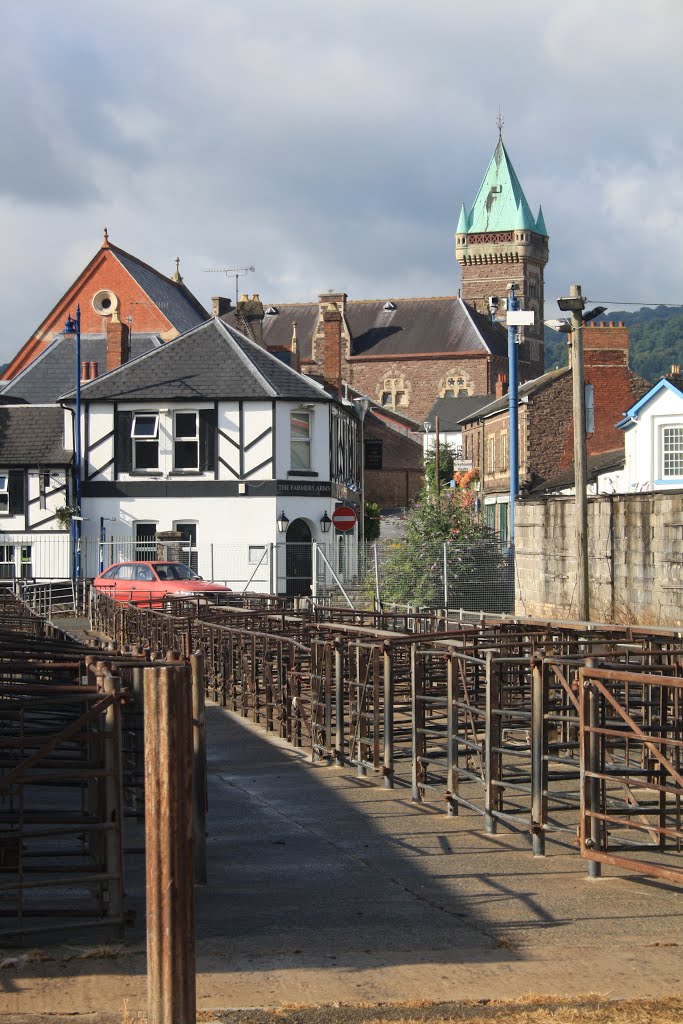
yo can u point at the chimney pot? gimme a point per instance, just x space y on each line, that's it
612 323
93 371
244 297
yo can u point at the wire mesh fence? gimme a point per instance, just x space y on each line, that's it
474 575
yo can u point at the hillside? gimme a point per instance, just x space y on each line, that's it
656 337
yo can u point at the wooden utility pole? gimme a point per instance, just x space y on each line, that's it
171 984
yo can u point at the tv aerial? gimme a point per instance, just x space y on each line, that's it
235 272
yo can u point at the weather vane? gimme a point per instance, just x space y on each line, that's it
500 122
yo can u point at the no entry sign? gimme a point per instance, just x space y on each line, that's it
344 518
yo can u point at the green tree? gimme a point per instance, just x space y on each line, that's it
372 521
412 569
447 455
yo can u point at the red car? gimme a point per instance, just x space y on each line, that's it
148 583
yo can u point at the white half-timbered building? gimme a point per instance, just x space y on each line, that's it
35 481
212 437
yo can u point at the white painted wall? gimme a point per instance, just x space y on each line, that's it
643 469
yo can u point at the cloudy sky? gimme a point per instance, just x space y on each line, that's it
331 143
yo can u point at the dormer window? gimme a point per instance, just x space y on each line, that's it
272 311
145 436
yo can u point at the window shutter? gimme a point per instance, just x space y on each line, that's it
17 497
123 444
208 427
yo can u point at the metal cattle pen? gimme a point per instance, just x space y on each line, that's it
61 859
479 717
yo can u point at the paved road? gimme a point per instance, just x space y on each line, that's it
326 888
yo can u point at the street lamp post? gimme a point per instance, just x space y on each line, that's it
362 405
513 411
73 326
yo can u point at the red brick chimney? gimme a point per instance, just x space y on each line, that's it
605 344
501 385
330 358
331 339
118 347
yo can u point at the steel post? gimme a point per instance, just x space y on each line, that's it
451 752
417 722
492 757
199 772
539 751
388 718
339 700
113 798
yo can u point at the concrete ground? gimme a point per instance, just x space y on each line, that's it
327 888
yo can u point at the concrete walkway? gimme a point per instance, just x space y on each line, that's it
326 888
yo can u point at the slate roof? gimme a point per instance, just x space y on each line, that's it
52 373
525 391
452 410
421 326
175 301
596 465
32 435
213 361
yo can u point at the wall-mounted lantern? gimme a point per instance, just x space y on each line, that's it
282 523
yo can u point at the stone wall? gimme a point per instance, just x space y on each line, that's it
635 558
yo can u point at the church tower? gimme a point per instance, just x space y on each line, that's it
500 241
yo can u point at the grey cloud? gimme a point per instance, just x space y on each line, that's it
332 144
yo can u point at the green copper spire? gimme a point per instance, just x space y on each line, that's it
500 198
525 218
463 221
540 223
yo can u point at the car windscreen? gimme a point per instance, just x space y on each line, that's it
174 571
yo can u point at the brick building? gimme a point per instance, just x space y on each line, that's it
546 431
401 353
119 291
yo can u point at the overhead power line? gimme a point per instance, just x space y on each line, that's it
610 302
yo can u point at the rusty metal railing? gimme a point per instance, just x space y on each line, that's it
631 771
475 716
